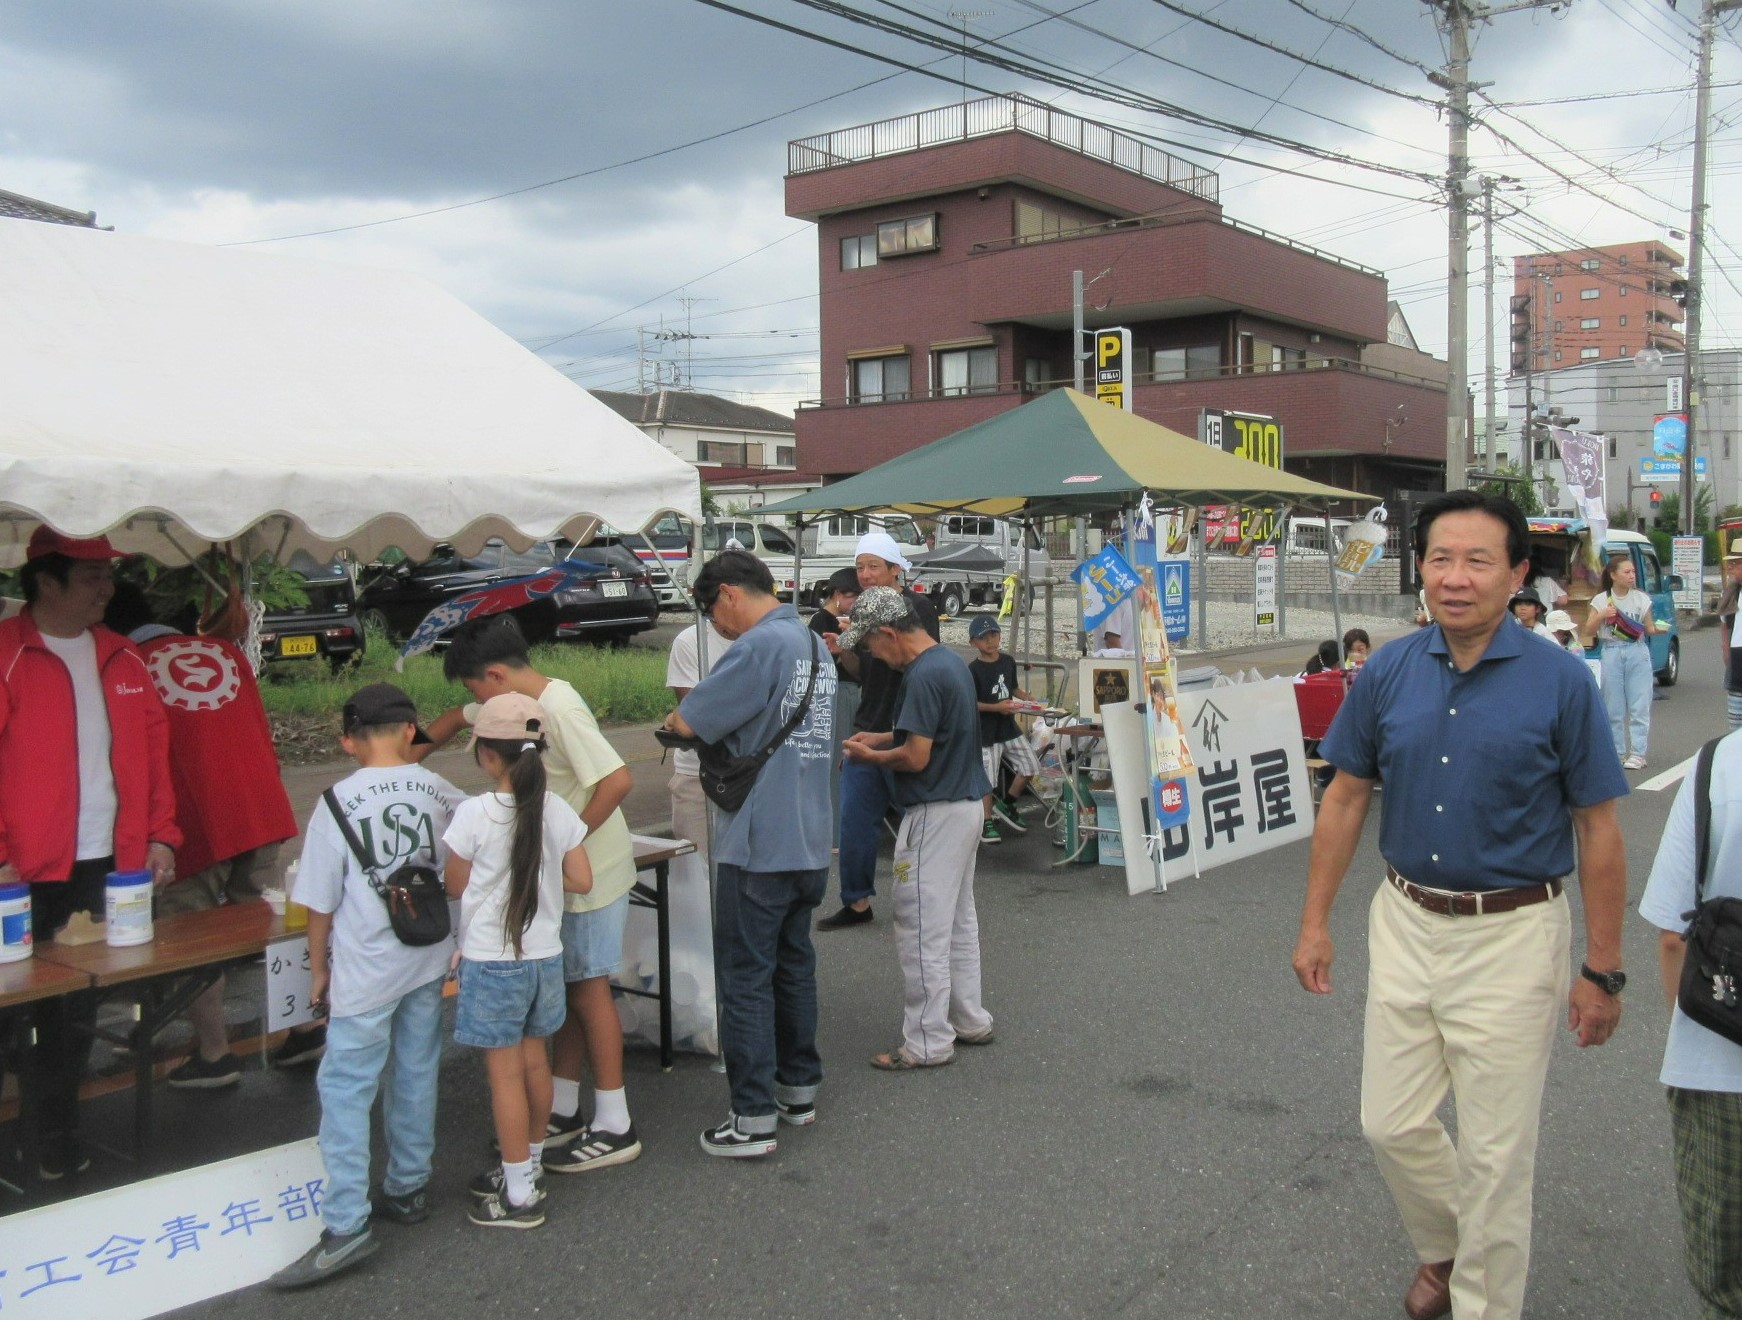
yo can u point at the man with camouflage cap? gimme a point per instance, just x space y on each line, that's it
933 752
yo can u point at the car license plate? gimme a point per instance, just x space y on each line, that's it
297 646
615 589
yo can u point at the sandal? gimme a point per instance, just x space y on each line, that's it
896 1061
973 1040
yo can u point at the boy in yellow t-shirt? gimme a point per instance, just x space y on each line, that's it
489 657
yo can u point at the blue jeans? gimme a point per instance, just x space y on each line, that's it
401 1042
1627 683
866 793
767 973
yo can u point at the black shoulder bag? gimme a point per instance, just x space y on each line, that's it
728 779
1712 964
417 901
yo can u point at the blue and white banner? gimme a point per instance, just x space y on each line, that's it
1103 580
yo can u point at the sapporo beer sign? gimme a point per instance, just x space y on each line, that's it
1251 436
1113 367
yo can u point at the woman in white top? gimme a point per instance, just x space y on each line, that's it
1621 619
512 854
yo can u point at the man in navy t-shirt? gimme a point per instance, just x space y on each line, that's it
933 751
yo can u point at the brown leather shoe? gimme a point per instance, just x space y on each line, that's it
1430 1294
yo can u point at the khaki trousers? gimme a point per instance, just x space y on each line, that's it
689 812
1470 1005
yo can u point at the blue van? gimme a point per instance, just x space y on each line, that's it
1562 549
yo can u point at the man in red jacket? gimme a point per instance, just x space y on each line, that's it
84 788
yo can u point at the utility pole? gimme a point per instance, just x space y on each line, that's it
1696 250
1457 16
1077 331
1488 420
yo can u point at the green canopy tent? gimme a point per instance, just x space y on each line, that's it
1066 455
1062 455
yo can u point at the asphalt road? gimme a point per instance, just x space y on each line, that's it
1166 1127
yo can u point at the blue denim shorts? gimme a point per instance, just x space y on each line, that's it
504 1003
593 941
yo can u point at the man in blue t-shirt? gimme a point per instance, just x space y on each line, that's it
772 853
933 751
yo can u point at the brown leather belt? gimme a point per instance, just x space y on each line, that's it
1473 903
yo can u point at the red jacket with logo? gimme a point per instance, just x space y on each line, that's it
39 754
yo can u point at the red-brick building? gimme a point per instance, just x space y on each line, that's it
1597 304
947 242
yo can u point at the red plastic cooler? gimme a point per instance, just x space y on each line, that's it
1320 697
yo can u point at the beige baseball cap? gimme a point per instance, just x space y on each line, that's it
510 717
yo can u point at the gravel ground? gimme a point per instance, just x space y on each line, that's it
1230 626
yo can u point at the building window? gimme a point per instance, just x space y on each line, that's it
1036 224
1195 362
879 379
1587 295
1557 327
1557 355
898 238
1622 291
1726 445
785 455
1589 263
1590 322
1625 351
966 370
724 452
1624 322
1588 354
858 251
1611 446
1291 359
1037 375
1557 295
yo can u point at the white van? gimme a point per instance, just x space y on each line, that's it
838 536
1306 537
999 535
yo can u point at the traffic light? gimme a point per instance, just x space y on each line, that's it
1656 498
1520 333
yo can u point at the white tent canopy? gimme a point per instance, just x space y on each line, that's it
176 396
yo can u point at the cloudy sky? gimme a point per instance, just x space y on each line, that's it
641 143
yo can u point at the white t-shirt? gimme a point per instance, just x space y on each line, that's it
1548 591
398 813
483 834
683 670
96 780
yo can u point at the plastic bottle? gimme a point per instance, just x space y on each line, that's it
295 914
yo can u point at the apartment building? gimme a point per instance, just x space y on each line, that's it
1595 304
946 245
707 430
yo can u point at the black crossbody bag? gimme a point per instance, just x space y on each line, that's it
728 779
1712 964
417 901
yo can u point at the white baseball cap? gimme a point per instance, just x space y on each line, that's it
882 544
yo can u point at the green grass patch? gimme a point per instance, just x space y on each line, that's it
623 685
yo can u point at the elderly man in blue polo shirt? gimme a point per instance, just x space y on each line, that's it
1495 755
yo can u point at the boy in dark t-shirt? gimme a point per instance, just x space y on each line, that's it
1001 741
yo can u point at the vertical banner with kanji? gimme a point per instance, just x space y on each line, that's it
1582 474
1104 579
154 1246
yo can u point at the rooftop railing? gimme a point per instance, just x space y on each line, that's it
999 114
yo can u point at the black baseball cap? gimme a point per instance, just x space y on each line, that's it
378 704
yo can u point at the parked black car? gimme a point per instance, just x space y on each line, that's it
615 600
327 626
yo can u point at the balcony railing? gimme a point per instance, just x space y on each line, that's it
999 114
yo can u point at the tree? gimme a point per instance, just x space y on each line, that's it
1519 491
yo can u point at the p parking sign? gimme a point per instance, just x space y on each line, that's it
1113 367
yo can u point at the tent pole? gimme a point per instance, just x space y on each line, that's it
1281 576
1336 604
797 563
1082 554
1203 638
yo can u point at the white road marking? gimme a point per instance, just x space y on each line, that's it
1668 779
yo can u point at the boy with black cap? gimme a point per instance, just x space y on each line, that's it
383 998
996 693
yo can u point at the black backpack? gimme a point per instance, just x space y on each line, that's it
1711 988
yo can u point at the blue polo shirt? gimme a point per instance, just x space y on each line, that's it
1480 769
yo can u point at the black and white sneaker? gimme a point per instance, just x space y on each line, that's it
1009 818
491 1182
301 1047
594 1150
333 1254
199 1074
410 1208
562 1129
730 1140
797 1115
62 1156
496 1211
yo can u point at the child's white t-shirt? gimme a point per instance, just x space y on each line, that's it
483 834
399 814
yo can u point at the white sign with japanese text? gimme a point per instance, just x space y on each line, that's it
168 1242
1264 590
1687 560
1250 791
287 984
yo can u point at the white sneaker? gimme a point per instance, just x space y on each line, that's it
1633 763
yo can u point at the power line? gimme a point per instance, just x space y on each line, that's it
1343 25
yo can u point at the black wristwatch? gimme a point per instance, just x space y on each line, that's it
1612 983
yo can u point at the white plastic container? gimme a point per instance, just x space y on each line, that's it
15 940
128 908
